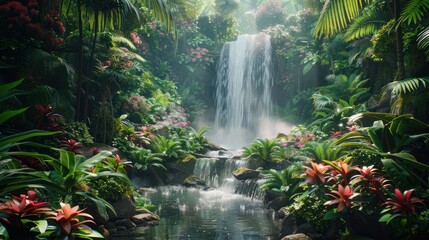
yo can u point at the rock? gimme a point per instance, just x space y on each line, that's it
104 231
146 218
125 223
288 225
276 203
245 173
124 208
271 195
110 227
213 147
298 236
194 181
282 213
121 228
142 191
236 157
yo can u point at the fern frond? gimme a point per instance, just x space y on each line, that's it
336 15
414 11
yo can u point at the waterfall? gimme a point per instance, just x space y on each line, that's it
217 173
243 91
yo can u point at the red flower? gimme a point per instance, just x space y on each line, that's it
66 217
72 145
95 151
118 158
343 197
59 28
403 202
25 206
316 174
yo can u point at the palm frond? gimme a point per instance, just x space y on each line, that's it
414 11
322 101
123 40
336 15
53 69
423 41
405 86
365 24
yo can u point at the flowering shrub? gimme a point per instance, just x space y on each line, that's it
198 57
269 13
23 17
136 104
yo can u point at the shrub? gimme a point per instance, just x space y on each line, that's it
269 13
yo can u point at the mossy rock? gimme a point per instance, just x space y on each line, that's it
194 181
245 173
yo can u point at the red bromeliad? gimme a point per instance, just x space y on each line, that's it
25 206
343 197
316 173
66 217
403 203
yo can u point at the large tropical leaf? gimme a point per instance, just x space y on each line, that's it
336 15
414 11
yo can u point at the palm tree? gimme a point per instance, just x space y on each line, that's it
337 15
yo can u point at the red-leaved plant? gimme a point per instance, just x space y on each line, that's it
25 206
316 173
67 219
343 197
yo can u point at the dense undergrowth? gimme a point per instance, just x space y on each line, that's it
76 76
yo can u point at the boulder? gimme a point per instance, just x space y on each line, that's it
194 181
298 236
124 208
127 223
146 218
245 173
288 225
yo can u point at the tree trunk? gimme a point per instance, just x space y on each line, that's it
80 62
399 43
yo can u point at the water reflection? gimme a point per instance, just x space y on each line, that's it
188 213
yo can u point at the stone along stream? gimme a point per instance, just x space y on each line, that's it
228 209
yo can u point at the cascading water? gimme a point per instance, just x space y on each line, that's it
243 91
217 173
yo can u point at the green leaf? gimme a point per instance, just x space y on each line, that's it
385 218
4 116
4 235
331 214
414 11
25 135
5 88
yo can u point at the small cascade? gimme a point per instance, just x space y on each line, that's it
217 173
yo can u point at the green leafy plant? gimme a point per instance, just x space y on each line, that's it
168 147
263 150
71 171
287 181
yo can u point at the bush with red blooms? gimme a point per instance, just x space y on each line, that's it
26 19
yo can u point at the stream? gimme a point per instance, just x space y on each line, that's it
228 209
